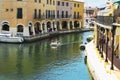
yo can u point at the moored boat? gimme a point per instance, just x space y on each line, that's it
8 38
54 43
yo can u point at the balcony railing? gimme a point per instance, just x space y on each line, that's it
77 17
50 17
58 17
41 17
63 16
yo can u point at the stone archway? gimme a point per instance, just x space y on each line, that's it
49 28
20 30
71 25
76 24
5 26
30 29
64 25
43 27
37 28
58 25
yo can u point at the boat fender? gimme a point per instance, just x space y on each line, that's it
21 40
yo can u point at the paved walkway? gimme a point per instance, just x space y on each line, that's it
99 69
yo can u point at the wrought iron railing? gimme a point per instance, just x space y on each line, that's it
77 17
63 16
40 17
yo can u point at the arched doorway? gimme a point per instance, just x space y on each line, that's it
30 29
76 24
5 27
54 28
64 25
58 25
19 30
43 27
37 28
49 29
71 25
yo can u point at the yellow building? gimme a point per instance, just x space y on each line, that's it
78 14
32 17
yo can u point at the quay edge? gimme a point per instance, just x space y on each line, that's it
96 65
33 38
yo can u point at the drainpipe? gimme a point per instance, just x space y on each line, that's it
113 34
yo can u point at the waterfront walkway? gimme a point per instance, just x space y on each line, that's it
98 68
55 33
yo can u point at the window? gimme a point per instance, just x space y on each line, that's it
74 5
7 10
50 1
39 13
11 10
78 5
78 14
35 0
47 2
67 4
19 13
35 14
39 1
53 2
19 0
74 14
46 13
62 14
66 14
57 14
62 3
58 3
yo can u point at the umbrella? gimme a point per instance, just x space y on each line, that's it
117 2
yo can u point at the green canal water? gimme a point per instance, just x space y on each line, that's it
40 61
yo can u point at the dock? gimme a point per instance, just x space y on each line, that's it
99 69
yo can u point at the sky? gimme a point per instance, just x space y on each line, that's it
94 3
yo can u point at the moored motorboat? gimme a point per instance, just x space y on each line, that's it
8 38
55 43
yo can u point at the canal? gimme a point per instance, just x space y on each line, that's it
40 61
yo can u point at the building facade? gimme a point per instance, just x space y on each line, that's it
32 17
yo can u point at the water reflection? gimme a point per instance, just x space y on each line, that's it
40 61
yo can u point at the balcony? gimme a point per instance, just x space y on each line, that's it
63 16
42 17
77 17
50 16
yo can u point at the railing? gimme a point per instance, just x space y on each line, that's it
77 17
63 16
50 17
116 60
41 17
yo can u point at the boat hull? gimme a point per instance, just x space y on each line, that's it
11 39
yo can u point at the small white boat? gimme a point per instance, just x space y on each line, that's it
54 43
7 38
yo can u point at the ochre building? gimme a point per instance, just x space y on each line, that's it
32 17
